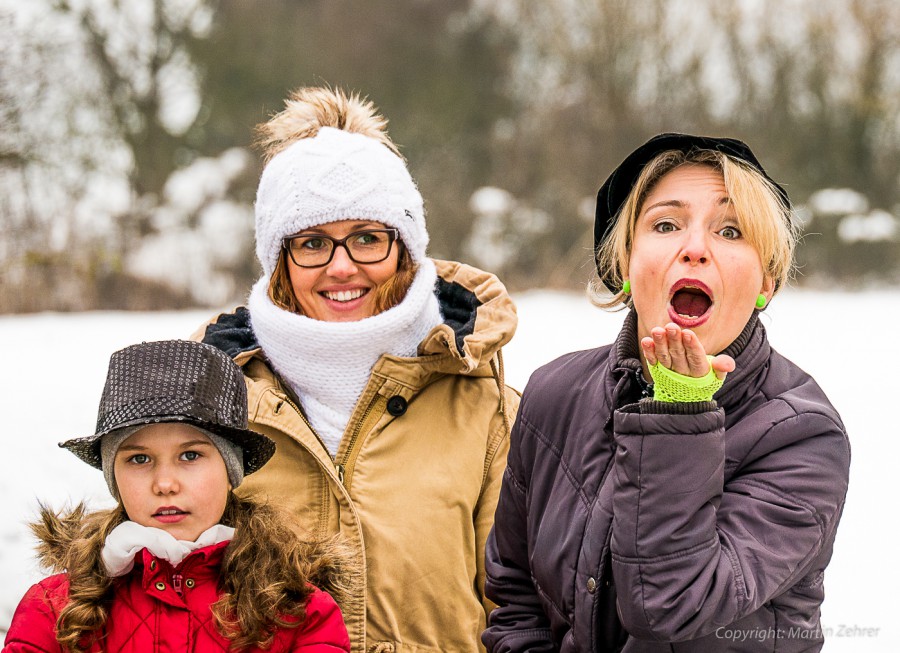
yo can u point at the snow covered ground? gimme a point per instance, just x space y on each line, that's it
56 365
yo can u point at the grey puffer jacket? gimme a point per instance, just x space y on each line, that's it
623 527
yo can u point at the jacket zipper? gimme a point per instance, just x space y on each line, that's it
176 583
342 466
646 388
339 467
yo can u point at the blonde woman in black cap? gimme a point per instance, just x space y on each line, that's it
377 371
181 563
681 488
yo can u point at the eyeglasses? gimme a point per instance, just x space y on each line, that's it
317 250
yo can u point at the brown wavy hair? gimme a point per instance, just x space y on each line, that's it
265 577
388 295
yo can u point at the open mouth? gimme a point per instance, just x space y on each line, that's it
344 295
170 515
690 302
168 512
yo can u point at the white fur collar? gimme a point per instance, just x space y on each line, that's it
328 363
128 538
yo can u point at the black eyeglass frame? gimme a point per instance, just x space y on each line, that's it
392 233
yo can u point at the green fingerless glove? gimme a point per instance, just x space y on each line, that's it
672 387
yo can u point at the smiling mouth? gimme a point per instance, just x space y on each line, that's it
690 302
344 295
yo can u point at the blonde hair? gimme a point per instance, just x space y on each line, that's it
763 217
265 576
310 108
388 295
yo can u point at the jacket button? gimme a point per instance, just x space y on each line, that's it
189 582
160 586
591 585
396 405
153 565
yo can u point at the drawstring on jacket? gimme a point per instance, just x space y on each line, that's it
497 372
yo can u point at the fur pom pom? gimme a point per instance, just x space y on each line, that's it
309 109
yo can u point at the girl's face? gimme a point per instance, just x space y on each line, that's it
341 290
171 476
690 264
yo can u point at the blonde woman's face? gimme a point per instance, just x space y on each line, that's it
342 290
171 476
690 263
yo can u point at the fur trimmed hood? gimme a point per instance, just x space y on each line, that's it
76 537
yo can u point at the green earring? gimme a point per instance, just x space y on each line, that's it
626 287
760 301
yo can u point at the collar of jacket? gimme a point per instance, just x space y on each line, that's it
750 351
201 564
479 319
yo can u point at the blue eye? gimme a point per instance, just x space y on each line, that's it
190 455
139 459
664 227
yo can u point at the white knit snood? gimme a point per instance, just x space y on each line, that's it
327 364
128 538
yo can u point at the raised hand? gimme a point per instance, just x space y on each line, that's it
681 351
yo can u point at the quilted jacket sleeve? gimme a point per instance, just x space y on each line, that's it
33 627
691 552
518 623
323 631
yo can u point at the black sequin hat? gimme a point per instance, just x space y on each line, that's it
175 381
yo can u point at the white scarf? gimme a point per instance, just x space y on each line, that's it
128 538
327 364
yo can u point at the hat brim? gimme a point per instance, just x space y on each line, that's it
257 448
615 190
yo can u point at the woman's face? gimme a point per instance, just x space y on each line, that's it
341 291
690 264
171 476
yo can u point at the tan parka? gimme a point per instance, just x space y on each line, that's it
415 481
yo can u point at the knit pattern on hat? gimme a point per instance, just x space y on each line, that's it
327 364
336 175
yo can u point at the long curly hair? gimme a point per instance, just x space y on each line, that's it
265 580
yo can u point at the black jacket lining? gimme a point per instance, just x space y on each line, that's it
459 307
232 333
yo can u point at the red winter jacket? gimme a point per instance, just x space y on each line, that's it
158 608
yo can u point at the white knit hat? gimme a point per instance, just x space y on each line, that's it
336 175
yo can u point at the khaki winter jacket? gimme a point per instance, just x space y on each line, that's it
415 482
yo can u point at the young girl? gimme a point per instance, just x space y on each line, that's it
181 564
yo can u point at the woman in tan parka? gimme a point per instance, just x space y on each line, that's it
377 372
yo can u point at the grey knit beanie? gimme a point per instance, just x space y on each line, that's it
231 453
